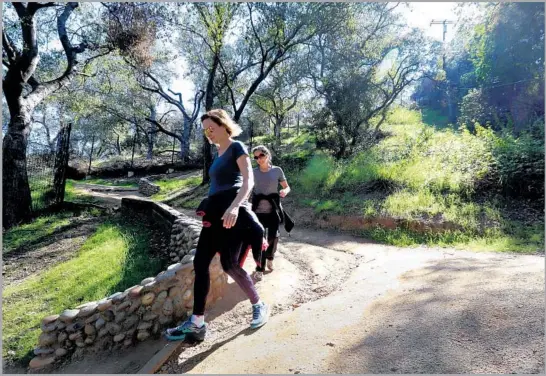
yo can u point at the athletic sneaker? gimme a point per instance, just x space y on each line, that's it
258 275
188 330
269 264
260 315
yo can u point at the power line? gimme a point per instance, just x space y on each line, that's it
445 23
500 85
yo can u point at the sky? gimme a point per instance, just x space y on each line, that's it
417 14
421 14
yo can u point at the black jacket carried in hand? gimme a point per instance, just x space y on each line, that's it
275 201
212 208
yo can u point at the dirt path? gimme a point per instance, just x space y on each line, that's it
342 305
108 195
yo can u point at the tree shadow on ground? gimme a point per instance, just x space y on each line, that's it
455 318
232 296
193 361
75 228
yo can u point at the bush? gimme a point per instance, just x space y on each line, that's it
403 116
474 109
319 175
293 162
518 162
416 156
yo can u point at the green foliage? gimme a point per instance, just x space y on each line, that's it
518 162
414 157
320 174
474 109
170 186
403 116
73 194
360 84
111 183
25 234
494 69
419 173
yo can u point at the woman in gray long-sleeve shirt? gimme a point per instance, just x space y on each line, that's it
266 181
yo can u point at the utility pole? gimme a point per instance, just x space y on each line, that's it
449 101
445 23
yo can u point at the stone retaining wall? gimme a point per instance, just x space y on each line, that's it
140 312
147 188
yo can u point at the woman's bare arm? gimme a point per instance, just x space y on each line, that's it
286 188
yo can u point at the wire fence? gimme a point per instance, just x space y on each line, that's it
40 165
46 171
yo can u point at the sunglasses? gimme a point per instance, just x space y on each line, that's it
259 156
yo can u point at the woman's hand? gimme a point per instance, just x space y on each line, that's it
285 189
230 216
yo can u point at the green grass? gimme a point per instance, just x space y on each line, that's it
515 238
435 118
71 193
170 186
419 172
41 189
29 233
401 115
485 226
193 199
113 259
404 116
111 183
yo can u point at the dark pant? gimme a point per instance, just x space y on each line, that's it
229 243
270 221
214 207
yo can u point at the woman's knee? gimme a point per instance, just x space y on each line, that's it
200 264
227 265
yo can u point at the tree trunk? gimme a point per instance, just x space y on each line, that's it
150 138
251 134
298 125
61 162
209 99
118 146
185 141
181 152
277 129
133 152
91 155
137 136
17 203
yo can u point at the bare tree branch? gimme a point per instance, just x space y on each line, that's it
165 114
255 32
162 129
40 91
11 51
197 104
33 7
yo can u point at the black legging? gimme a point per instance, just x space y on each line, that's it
228 243
270 221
